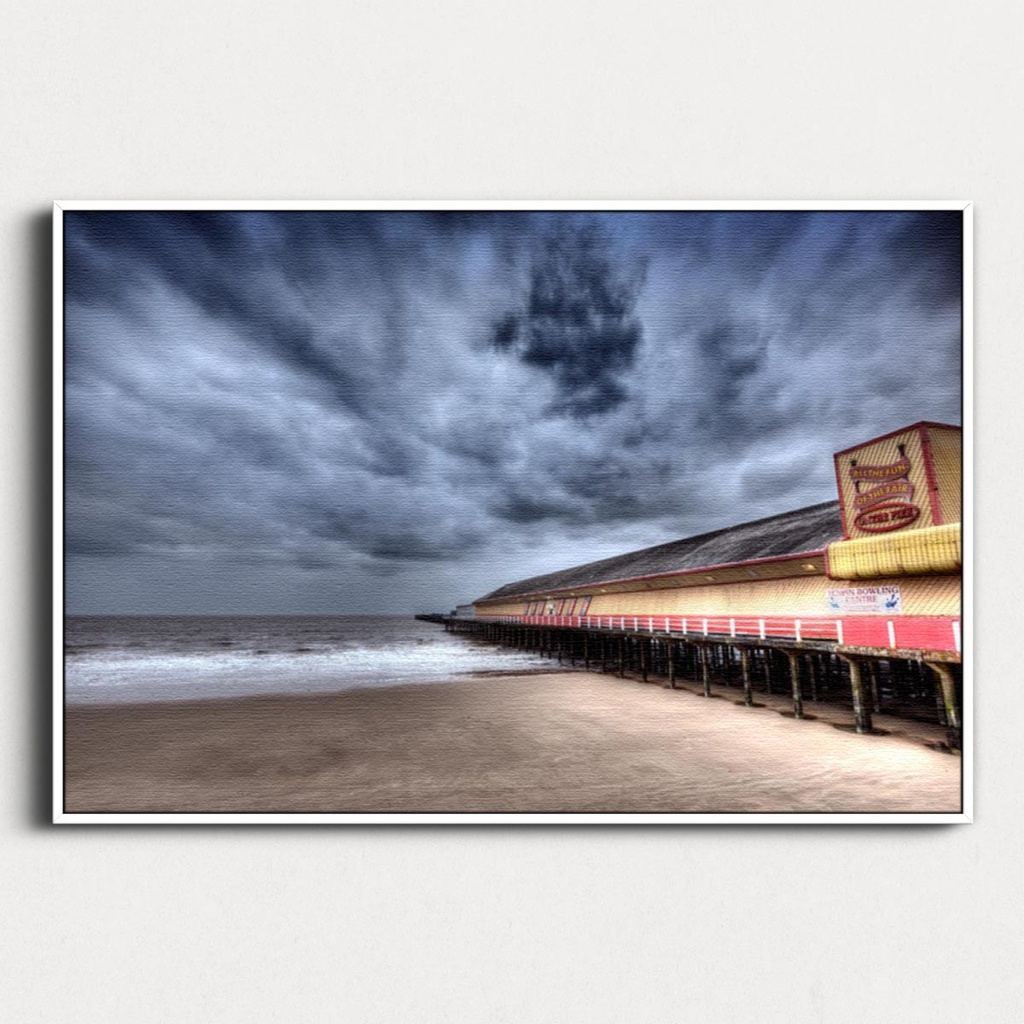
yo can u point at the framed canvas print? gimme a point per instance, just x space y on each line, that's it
512 512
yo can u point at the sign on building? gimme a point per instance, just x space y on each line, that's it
910 478
884 600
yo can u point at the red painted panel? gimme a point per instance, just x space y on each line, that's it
819 629
865 631
928 634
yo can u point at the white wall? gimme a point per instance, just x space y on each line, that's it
456 99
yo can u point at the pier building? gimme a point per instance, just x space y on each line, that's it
856 599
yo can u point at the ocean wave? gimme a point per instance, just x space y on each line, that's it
187 667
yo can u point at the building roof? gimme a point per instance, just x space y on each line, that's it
802 531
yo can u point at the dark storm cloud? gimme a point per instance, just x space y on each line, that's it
219 260
374 412
928 247
577 320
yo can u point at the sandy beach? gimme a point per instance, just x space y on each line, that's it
551 742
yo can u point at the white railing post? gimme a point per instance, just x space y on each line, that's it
760 626
705 627
732 627
839 631
892 634
796 630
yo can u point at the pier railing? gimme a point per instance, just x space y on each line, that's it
931 633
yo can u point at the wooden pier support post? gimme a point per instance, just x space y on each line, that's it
940 705
767 654
947 686
828 670
748 697
670 654
861 707
705 671
794 672
872 670
812 674
622 657
645 658
586 652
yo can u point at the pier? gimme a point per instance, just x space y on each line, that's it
854 603
924 686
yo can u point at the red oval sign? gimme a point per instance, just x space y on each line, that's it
892 516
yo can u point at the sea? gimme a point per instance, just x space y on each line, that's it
142 659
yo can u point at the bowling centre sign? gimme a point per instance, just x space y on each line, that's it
884 600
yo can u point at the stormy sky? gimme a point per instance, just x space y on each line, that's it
357 412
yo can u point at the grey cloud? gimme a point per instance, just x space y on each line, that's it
358 412
782 476
734 353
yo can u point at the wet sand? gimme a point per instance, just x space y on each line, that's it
556 742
